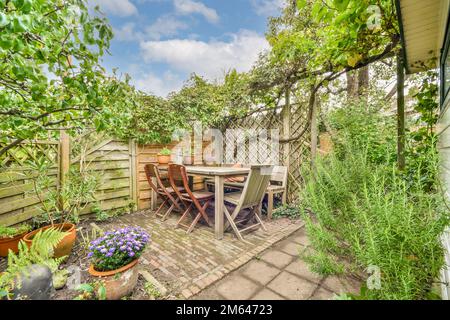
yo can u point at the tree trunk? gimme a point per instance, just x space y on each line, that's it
352 85
363 83
400 112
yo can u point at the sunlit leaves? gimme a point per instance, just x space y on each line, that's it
50 73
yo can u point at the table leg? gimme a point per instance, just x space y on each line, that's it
154 197
218 224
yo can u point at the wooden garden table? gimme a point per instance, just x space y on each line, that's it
218 174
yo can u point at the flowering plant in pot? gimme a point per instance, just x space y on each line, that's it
63 205
10 237
114 257
164 156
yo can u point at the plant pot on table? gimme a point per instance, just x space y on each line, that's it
163 159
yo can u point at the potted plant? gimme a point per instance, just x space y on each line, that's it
10 237
30 271
114 257
62 206
164 156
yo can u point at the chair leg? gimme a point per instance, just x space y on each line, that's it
166 215
257 215
160 207
284 197
233 225
191 227
269 205
184 215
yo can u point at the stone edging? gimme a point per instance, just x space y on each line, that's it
201 284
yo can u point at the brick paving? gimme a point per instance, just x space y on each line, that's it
185 264
279 273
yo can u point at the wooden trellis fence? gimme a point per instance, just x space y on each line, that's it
289 120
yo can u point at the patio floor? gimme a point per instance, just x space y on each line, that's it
185 264
279 274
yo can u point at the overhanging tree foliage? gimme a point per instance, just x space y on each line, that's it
50 72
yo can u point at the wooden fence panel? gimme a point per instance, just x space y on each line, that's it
110 161
18 199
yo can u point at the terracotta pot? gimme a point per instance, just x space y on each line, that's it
10 243
120 282
163 159
64 248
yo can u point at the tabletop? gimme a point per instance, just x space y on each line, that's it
216 171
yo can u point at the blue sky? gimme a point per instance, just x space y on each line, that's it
161 42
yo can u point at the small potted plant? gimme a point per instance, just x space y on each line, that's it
164 156
10 237
114 257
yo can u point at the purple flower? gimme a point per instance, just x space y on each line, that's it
130 254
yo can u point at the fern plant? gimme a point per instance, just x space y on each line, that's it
40 252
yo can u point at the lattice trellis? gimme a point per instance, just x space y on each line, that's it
19 155
246 129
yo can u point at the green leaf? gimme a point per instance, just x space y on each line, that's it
301 4
3 20
341 5
85 287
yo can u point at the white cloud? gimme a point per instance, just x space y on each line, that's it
187 7
164 26
121 8
126 32
160 86
211 59
268 7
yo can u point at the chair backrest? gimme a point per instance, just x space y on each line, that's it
255 186
177 174
279 175
150 174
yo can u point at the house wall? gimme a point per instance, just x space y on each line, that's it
444 150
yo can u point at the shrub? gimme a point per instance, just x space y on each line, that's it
117 248
359 213
289 211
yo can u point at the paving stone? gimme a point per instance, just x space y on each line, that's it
260 272
322 294
290 247
277 258
300 268
292 287
301 237
266 294
341 285
237 288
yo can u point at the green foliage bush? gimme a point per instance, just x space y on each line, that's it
360 211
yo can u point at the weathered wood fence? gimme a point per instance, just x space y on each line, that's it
120 164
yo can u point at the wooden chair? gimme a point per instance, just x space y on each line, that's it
167 194
278 185
198 200
249 198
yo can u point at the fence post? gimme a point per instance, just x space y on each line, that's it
314 132
286 117
133 172
64 162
